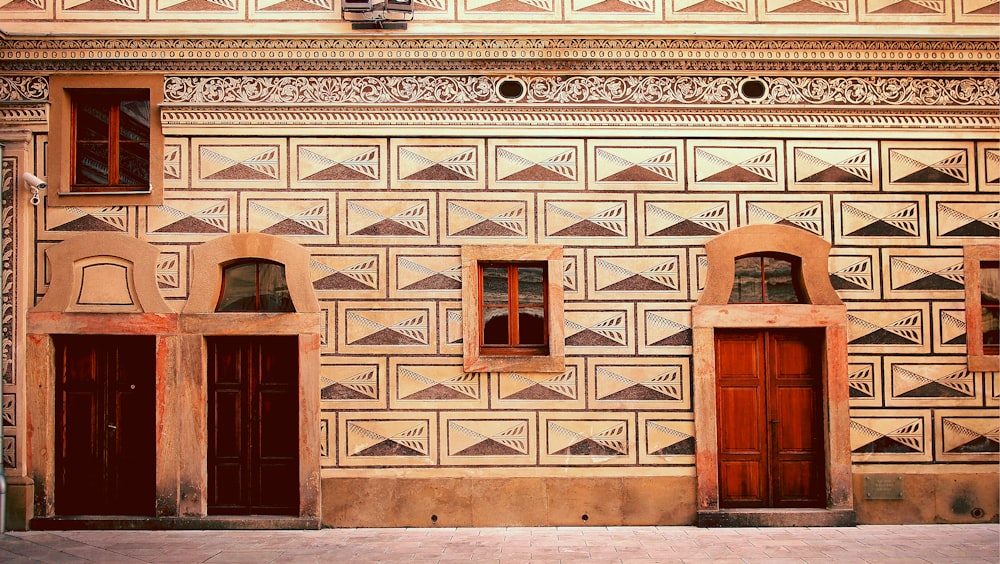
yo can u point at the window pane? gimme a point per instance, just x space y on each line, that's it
989 288
274 295
92 121
91 164
531 325
747 281
495 288
779 284
239 287
133 164
530 285
496 330
133 120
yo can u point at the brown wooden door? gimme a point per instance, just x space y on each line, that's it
106 425
770 413
253 458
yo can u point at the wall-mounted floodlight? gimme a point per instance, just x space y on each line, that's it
368 14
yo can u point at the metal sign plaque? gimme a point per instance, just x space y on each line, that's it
884 486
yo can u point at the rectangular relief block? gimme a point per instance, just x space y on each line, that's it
357 382
879 220
736 165
484 438
928 166
536 164
224 162
666 438
599 328
435 382
468 218
902 327
923 273
636 164
303 219
684 219
172 278
60 223
425 273
864 381
855 273
808 213
637 273
664 329
525 390
883 435
902 12
339 163
918 381
387 327
989 163
586 220
970 219
573 277
352 273
373 218
949 327
587 439
388 439
190 215
450 314
653 383
964 435
176 162
438 164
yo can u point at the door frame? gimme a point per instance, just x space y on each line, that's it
825 311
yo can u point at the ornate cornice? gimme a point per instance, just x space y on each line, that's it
24 114
414 53
645 90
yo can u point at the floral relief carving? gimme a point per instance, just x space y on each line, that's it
891 91
24 88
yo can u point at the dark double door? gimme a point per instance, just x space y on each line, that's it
253 441
770 418
105 430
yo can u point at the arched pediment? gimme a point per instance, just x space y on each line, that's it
103 273
813 252
208 260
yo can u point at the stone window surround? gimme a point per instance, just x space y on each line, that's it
181 384
824 310
974 256
473 360
61 137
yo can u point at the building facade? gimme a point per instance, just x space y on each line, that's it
738 266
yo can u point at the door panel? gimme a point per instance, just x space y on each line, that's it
769 400
253 425
105 429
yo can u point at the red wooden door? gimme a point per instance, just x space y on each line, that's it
253 459
105 430
770 413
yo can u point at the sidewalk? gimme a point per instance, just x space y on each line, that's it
865 543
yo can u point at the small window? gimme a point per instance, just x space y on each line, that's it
512 309
767 278
106 145
110 140
982 310
254 286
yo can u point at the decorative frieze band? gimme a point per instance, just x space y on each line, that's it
645 90
630 120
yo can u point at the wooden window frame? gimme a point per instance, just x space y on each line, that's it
62 142
795 265
514 346
256 263
978 359
479 358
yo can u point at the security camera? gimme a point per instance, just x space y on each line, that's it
33 182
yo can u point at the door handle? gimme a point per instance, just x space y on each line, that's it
112 427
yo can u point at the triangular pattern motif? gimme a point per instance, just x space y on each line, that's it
354 275
290 217
664 383
887 435
669 219
856 275
608 331
615 166
665 438
193 216
388 218
487 219
448 164
892 220
388 328
833 166
736 164
428 273
662 331
564 386
231 163
333 163
968 435
861 380
388 438
521 165
927 273
586 219
885 328
437 383
113 218
488 438
956 219
588 438
350 382
807 215
636 274
928 166
932 381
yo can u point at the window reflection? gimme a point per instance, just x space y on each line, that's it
766 279
255 286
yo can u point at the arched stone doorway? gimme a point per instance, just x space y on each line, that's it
820 320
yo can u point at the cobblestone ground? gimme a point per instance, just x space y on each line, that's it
865 543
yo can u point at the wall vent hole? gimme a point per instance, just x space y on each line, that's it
434 518
978 512
510 89
753 89
585 517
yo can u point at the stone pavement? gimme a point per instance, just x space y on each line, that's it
865 543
